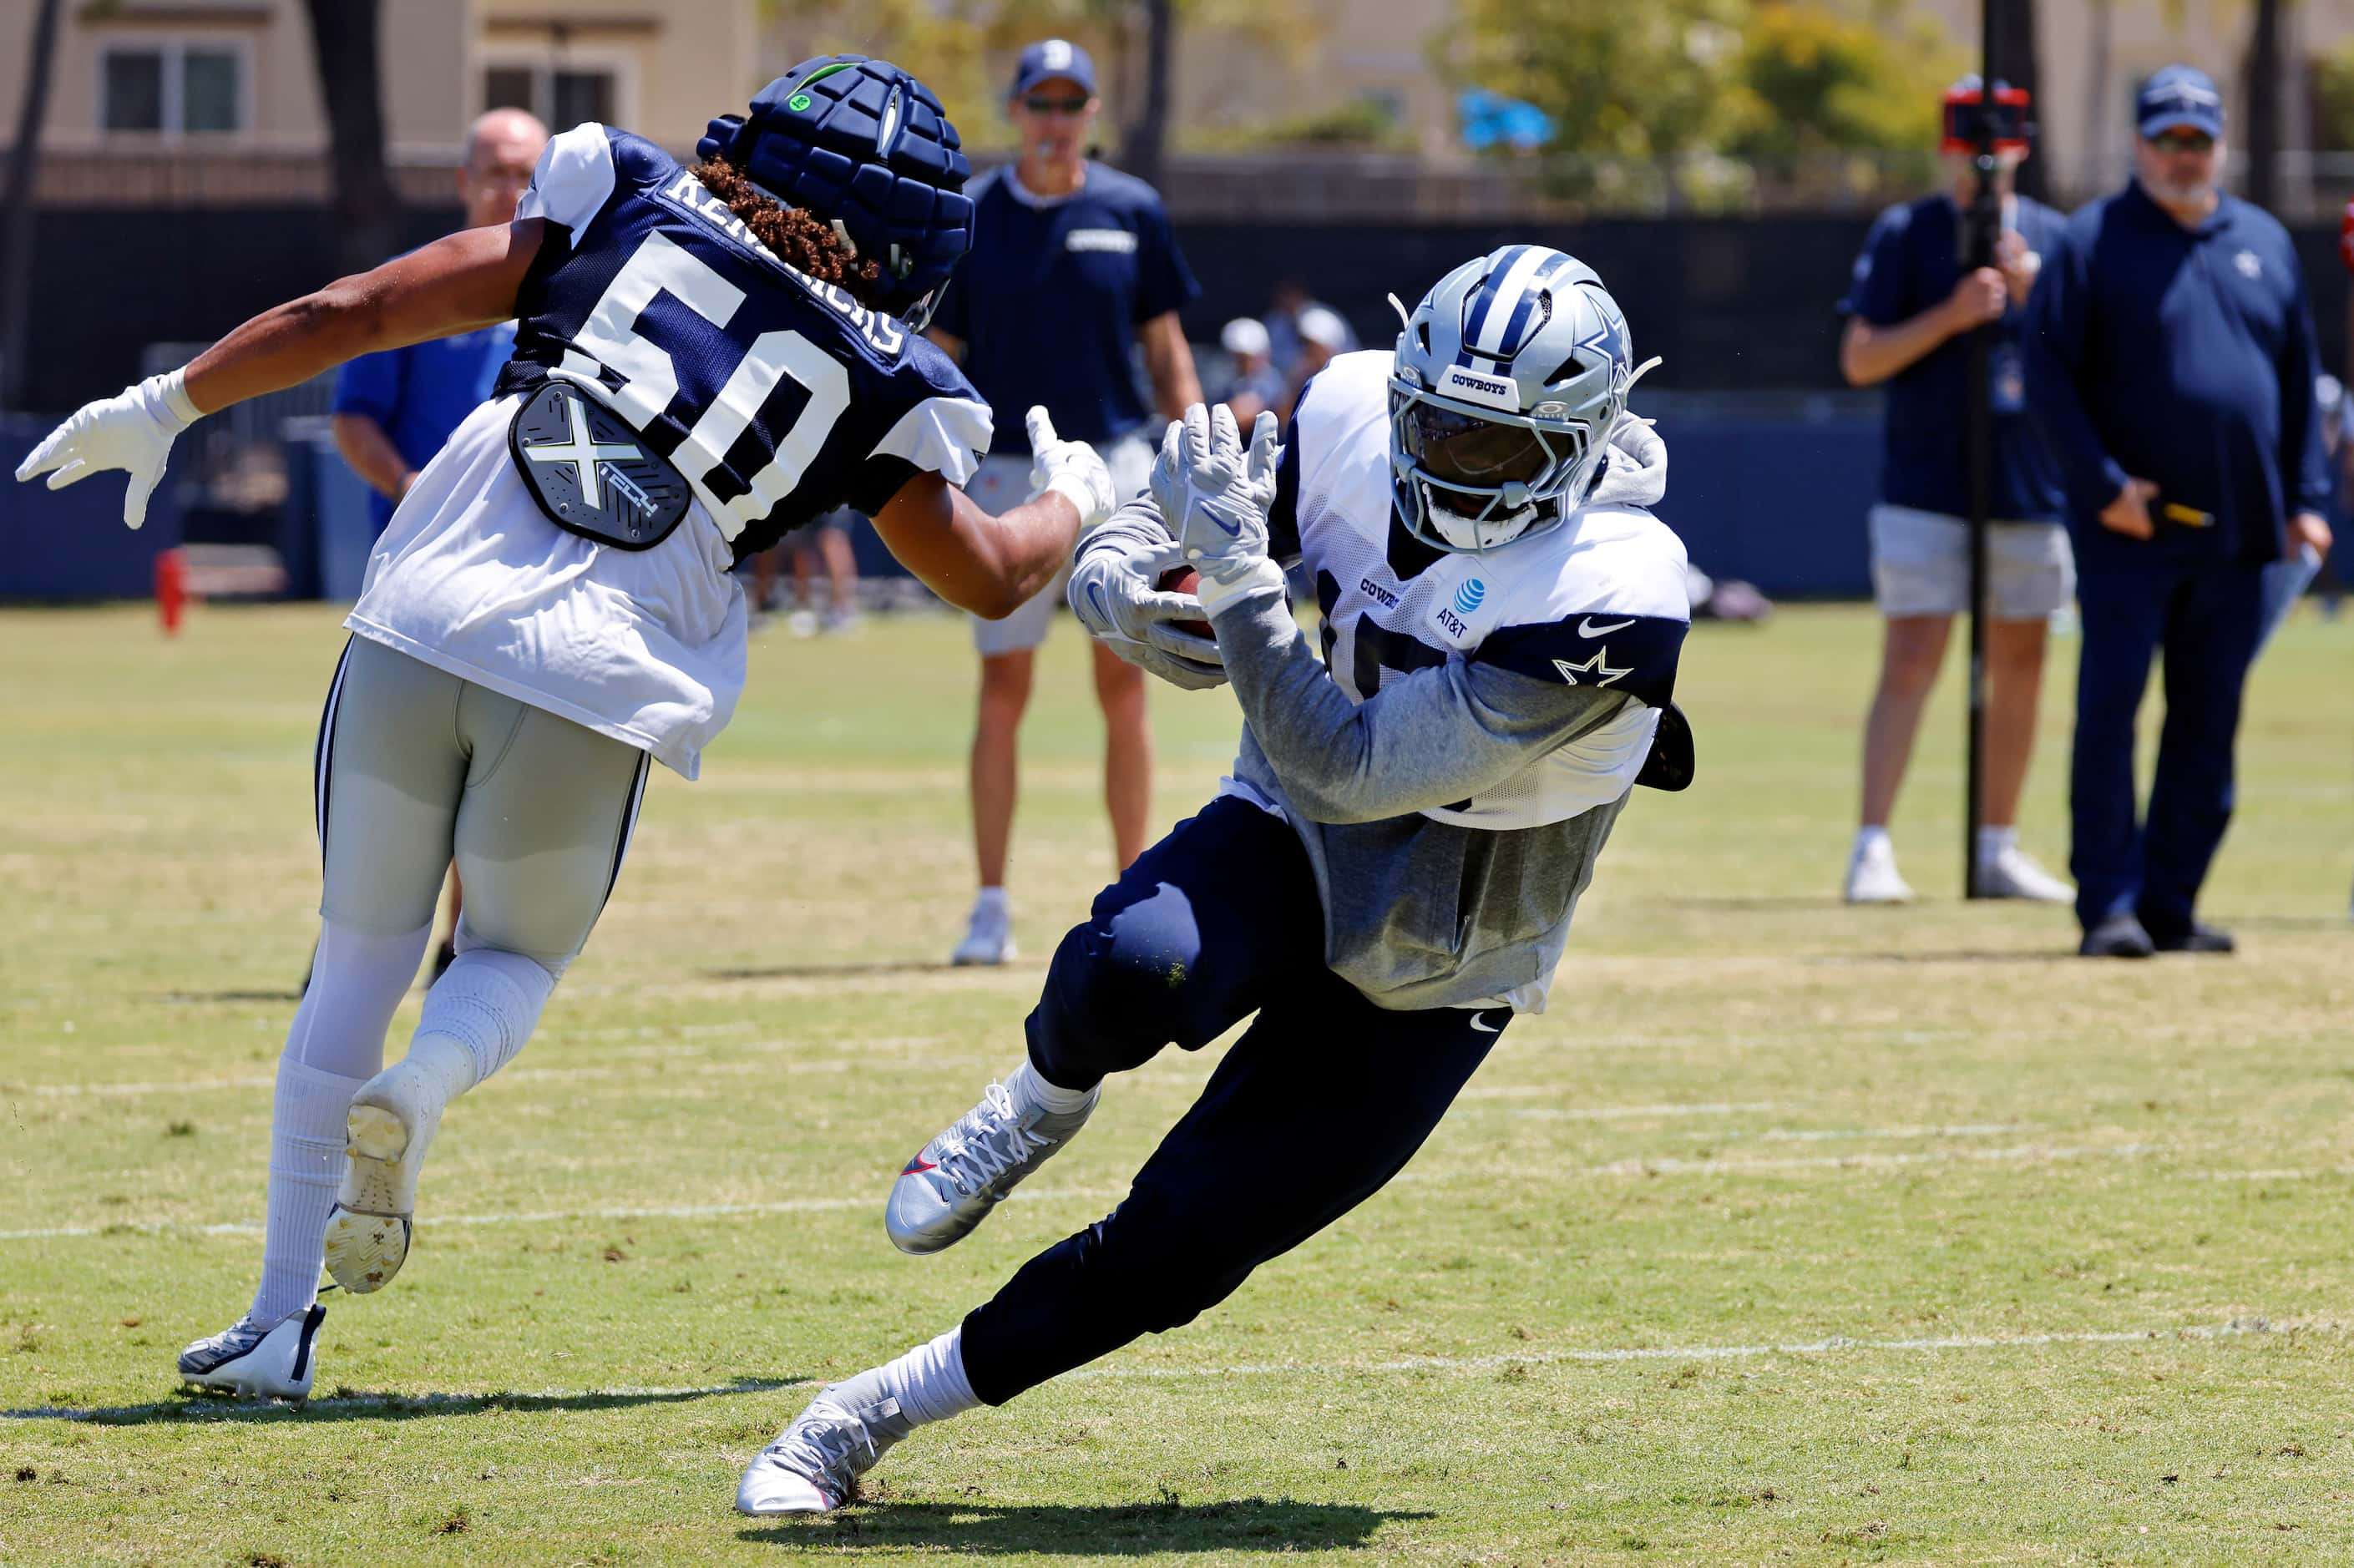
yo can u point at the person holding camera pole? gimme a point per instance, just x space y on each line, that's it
2172 361
1911 311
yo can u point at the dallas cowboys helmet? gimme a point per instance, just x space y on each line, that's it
862 142
1508 379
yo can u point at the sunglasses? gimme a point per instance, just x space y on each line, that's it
2183 141
1042 105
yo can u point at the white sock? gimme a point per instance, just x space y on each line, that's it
929 1382
1872 838
994 900
1029 1088
1992 842
306 1166
485 1005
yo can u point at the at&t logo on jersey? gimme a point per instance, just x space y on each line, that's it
1468 596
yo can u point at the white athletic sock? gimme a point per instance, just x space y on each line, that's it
306 1165
991 898
1992 842
485 1005
929 1382
1030 1089
1870 838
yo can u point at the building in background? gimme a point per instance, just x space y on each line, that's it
231 82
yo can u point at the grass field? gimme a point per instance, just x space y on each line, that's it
1793 1233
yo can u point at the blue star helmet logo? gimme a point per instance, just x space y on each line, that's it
1609 338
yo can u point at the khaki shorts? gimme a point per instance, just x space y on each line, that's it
1920 566
1002 485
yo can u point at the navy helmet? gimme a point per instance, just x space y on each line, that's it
862 144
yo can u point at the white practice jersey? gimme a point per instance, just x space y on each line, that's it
1598 601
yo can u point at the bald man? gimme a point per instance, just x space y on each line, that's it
394 410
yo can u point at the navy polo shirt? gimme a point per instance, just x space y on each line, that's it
1048 301
2184 357
1910 262
422 394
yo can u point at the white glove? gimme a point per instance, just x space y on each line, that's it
132 430
1115 591
1214 494
1070 469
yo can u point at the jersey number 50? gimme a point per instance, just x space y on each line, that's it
615 337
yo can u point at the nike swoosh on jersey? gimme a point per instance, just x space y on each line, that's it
1486 1028
1587 628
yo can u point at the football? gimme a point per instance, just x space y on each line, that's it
1185 579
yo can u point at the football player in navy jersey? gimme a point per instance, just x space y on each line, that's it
1389 876
705 358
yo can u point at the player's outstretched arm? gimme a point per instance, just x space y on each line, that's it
992 565
467 280
1438 737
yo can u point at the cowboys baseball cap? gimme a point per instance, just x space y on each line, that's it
2178 96
1052 59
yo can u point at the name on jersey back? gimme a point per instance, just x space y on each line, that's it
691 197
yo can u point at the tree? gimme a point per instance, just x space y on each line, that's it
2263 98
2021 64
1629 82
16 255
367 208
1809 81
1146 135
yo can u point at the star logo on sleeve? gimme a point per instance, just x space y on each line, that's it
1597 669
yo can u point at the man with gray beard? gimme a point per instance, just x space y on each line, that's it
2171 360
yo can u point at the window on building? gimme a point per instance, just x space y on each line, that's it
564 95
172 89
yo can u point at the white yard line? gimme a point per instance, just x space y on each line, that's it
1663 1165
1836 1344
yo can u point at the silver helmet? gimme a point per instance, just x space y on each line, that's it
1508 379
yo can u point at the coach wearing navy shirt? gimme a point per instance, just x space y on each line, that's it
2170 358
1073 268
1910 311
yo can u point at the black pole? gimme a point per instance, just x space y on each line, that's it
1985 228
18 215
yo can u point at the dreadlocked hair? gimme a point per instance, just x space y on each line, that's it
800 240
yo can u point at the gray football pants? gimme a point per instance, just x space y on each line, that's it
417 766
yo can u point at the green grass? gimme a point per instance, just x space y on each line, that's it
1793 1233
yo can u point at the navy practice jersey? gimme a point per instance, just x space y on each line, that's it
1910 262
777 396
1048 303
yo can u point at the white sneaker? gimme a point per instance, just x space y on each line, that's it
801 623
254 1363
949 1188
814 1465
1872 875
392 1122
988 933
2012 873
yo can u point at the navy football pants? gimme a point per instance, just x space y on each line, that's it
1321 1101
2206 615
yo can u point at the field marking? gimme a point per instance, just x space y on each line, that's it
1616 1113
1658 1165
1835 1344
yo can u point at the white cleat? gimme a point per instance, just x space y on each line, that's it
1872 876
946 1190
988 935
2011 873
814 1465
392 1121
254 1363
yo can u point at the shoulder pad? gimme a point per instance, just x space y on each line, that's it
1632 653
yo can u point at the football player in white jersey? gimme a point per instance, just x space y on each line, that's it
1388 877
552 608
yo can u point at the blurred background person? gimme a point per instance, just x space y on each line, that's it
2171 356
1253 383
1323 334
1910 311
822 545
1287 302
1074 268
393 411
